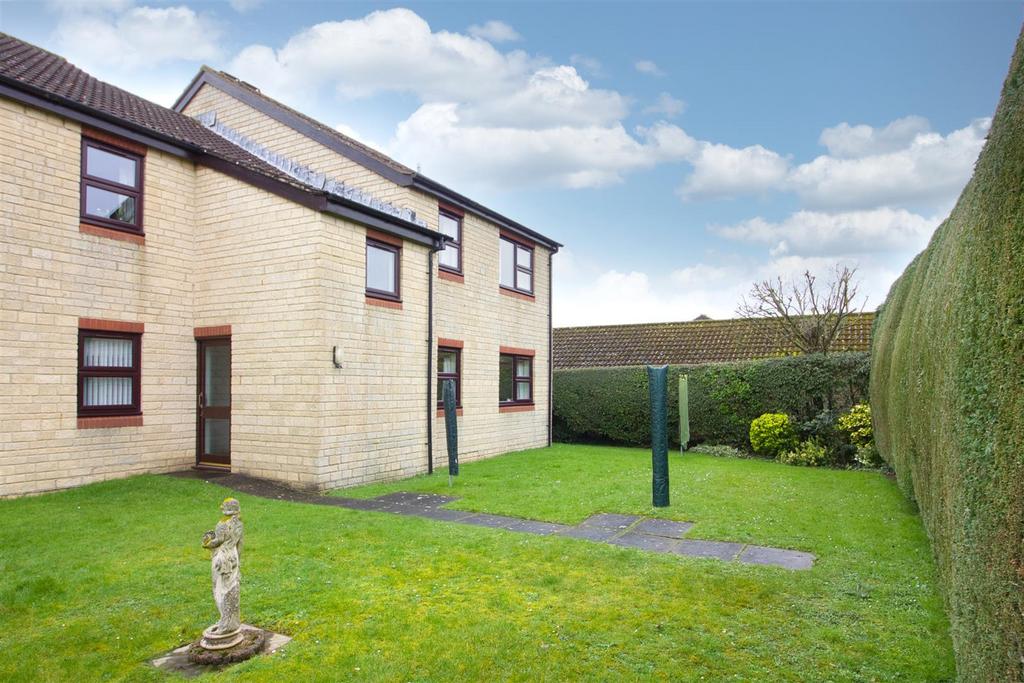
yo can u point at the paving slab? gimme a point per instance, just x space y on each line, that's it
530 526
654 544
416 499
718 549
492 521
591 533
663 527
610 521
442 514
779 557
361 504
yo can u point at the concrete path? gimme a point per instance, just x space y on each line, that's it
632 531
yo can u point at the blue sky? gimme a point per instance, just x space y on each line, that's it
680 151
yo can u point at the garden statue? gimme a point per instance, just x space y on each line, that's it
226 542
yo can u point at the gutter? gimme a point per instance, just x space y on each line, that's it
551 360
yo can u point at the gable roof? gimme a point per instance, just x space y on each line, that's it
348 147
688 343
44 79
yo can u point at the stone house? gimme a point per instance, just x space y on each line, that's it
231 284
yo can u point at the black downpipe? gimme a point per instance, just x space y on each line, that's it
430 357
551 360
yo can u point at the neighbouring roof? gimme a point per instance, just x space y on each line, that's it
688 343
351 148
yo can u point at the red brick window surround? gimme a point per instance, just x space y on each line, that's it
109 373
111 185
515 377
449 366
515 266
449 222
383 267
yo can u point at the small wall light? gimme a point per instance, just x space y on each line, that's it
337 357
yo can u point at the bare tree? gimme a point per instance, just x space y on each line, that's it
805 314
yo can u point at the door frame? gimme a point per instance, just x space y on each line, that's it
201 345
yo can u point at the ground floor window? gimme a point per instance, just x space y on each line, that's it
515 379
109 373
449 366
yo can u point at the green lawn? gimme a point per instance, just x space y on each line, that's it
95 581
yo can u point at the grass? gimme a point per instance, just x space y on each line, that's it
95 581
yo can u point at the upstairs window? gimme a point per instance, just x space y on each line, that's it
515 379
111 186
383 263
109 373
516 266
451 258
449 366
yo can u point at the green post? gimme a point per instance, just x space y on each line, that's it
451 428
684 412
657 379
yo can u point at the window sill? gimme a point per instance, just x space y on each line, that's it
111 233
109 422
440 412
516 295
383 303
517 408
450 276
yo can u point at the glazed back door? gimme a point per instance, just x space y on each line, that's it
213 418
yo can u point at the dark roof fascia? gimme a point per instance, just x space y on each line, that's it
76 111
449 196
313 199
322 202
356 212
296 123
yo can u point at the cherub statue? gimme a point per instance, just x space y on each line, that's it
226 542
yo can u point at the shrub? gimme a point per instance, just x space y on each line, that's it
868 455
809 453
772 433
857 425
611 405
947 397
717 450
824 431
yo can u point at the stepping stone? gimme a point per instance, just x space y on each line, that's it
591 533
441 514
610 521
717 549
362 504
492 521
529 526
416 499
663 527
654 544
778 557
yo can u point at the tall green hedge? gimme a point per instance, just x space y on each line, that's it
947 390
610 405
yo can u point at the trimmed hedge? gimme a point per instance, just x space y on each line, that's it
610 405
947 397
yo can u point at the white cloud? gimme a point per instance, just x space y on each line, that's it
929 168
587 65
494 31
436 137
646 66
817 233
850 142
137 38
720 171
243 6
903 164
385 51
666 105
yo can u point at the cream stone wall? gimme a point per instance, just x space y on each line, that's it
291 284
50 275
473 311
